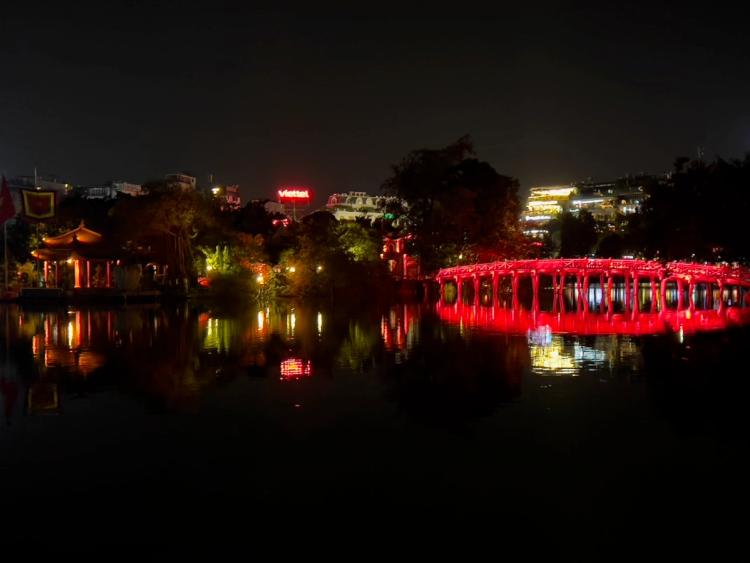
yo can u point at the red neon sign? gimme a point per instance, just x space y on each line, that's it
294 195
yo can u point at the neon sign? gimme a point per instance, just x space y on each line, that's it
294 195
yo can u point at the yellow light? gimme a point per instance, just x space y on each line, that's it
292 269
320 323
261 319
553 191
69 260
209 267
215 190
319 268
259 279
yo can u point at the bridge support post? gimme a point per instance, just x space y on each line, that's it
627 292
495 285
722 303
561 291
691 296
610 301
654 294
477 287
636 298
663 294
459 291
581 295
680 294
514 285
585 293
601 291
535 290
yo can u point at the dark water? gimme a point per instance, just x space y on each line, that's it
412 425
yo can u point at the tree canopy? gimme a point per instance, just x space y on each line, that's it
456 205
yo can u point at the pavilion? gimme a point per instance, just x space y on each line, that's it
82 249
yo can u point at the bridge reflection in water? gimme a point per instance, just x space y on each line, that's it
581 312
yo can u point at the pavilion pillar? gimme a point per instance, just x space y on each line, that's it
57 273
46 273
88 273
77 273
109 274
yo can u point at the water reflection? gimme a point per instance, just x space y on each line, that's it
432 360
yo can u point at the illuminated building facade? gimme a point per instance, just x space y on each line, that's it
545 203
352 205
606 201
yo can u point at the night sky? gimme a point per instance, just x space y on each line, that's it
331 97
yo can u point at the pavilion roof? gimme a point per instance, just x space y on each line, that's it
73 238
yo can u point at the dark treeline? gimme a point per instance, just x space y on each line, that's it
697 212
449 206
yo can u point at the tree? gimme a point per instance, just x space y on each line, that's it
573 235
455 204
699 212
170 219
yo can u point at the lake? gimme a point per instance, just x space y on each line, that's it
172 426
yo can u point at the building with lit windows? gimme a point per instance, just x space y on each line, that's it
351 205
545 203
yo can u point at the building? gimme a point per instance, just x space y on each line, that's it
228 196
400 264
352 205
607 202
544 204
111 190
181 180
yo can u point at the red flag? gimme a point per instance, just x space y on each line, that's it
7 209
38 205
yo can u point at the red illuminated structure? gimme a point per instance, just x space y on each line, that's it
400 264
295 196
718 286
83 252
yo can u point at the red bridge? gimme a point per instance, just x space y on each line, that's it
607 284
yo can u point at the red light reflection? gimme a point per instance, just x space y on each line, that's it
520 321
295 368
